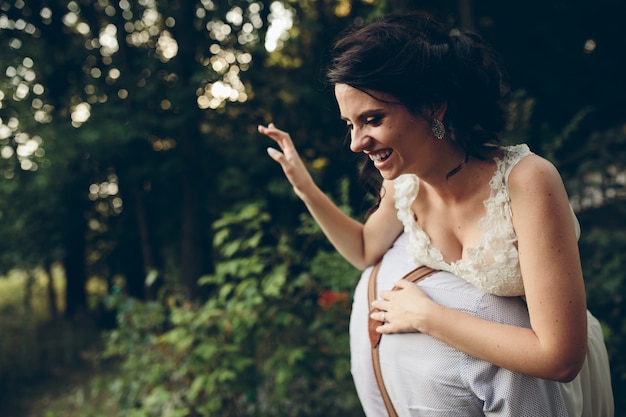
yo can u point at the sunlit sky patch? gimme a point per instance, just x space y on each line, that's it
281 20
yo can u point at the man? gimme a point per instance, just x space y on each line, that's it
426 377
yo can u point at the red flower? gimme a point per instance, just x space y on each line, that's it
329 297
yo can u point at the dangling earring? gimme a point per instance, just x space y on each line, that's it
439 130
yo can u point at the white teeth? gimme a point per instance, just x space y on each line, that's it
379 156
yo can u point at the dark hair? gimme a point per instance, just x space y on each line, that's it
424 64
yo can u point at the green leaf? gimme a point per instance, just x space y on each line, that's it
275 281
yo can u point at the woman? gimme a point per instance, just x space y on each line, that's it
424 104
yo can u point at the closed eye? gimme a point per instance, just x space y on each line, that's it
369 119
374 120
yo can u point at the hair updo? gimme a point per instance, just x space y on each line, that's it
424 64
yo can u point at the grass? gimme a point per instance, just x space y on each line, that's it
46 368
75 392
23 290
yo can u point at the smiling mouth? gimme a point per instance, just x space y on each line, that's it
380 156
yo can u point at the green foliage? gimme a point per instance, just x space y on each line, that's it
270 341
604 264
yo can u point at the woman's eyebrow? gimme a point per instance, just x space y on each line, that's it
366 113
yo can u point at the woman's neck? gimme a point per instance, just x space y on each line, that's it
468 178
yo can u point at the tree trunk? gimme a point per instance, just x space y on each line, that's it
194 256
149 266
52 295
75 246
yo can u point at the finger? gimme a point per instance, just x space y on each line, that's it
274 133
275 155
380 304
379 316
270 132
270 126
386 328
283 139
385 295
403 283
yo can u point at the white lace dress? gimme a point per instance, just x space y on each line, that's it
494 267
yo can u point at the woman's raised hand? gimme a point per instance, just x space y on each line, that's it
289 160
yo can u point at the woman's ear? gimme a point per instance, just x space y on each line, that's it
439 112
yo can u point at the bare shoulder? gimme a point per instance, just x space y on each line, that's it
534 174
539 200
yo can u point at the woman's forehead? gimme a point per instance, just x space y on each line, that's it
355 99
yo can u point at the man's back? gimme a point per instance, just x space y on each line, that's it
426 377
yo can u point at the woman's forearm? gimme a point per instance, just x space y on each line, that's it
515 348
343 232
553 348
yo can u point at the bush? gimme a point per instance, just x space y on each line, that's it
604 265
272 340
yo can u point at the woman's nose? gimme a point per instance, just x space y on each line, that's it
358 140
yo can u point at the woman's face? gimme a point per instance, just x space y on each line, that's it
396 140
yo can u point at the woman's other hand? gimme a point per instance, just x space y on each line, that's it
403 310
289 160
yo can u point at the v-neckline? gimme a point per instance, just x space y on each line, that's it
498 160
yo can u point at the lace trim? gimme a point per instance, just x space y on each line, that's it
492 266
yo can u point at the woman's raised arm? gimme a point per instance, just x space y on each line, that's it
360 244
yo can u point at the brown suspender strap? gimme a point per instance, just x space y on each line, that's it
413 276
